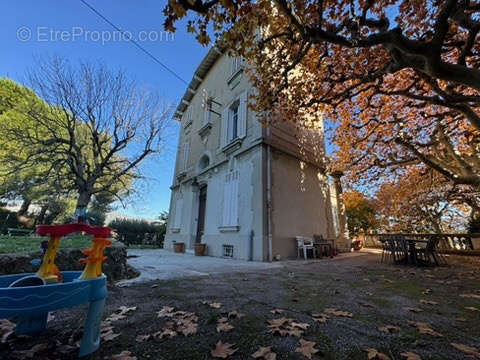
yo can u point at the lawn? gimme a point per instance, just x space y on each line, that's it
22 244
360 304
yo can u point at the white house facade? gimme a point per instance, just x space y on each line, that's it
244 190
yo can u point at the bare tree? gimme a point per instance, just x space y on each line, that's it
98 128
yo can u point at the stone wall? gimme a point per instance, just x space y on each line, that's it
115 267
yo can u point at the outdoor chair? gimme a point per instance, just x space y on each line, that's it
324 245
428 253
386 250
398 248
304 244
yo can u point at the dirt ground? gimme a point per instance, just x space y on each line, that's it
375 294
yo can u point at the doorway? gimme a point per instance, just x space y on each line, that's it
201 214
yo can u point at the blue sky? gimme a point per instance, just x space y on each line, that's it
32 28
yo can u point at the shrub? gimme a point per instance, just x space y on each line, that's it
8 219
139 232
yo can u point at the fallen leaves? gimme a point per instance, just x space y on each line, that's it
424 328
335 312
366 305
265 353
120 313
277 311
470 296
307 348
223 325
410 356
286 327
472 308
467 349
181 322
374 354
320 317
222 350
428 302
124 355
427 291
389 329
413 309
213 305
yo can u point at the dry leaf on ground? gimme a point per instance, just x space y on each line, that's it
222 350
424 328
470 296
413 309
277 311
124 355
366 305
166 311
467 349
427 291
428 302
224 327
265 353
125 310
320 317
389 329
472 308
307 348
374 354
142 338
410 356
335 312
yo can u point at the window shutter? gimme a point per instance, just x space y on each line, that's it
206 115
186 150
242 115
224 130
234 203
178 214
226 200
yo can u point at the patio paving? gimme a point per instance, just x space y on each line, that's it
161 264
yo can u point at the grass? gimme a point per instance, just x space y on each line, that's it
23 244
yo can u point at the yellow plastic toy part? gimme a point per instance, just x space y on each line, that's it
48 270
93 267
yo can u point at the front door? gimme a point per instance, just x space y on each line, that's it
201 214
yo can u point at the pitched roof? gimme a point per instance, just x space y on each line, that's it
206 64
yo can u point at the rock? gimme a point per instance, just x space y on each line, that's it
115 267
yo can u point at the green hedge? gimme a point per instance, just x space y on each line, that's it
139 232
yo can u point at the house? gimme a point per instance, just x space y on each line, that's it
243 189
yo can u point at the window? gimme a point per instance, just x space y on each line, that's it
233 121
230 199
228 251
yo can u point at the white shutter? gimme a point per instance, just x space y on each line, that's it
186 150
226 200
224 130
242 115
178 214
206 115
234 203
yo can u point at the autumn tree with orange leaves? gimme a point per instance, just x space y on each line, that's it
400 78
420 202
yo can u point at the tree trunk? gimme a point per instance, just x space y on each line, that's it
82 203
41 215
24 208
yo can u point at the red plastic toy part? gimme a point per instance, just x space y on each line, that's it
64 230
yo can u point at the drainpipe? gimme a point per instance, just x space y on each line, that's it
250 251
269 199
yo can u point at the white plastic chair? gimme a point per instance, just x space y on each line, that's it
305 243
